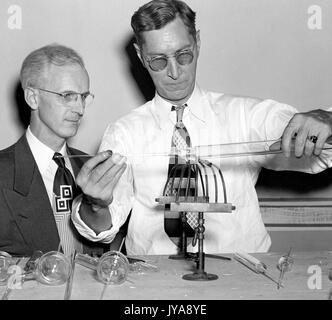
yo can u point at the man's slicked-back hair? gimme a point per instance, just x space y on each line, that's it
35 65
156 14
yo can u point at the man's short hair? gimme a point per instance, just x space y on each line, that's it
34 66
156 14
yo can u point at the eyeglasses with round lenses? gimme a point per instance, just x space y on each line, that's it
159 63
70 97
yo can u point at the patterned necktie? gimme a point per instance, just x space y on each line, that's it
65 190
181 140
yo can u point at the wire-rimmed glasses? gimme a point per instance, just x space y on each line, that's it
70 97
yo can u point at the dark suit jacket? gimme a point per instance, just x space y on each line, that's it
26 217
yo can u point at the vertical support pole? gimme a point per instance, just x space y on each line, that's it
201 229
184 234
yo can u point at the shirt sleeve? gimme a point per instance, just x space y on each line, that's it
267 120
114 139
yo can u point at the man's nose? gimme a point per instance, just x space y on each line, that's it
79 105
173 68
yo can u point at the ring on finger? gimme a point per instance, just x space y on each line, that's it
313 139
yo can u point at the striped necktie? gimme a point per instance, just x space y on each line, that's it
181 140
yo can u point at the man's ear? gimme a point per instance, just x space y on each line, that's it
139 53
31 97
198 41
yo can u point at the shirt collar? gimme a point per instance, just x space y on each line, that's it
41 152
161 108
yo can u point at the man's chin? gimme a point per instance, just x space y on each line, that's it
69 132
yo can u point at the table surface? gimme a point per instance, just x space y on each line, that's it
308 279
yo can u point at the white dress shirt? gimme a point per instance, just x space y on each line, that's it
43 156
47 167
210 118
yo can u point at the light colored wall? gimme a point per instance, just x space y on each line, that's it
259 48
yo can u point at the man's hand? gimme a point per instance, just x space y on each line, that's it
310 129
98 178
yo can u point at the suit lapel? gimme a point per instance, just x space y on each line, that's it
29 201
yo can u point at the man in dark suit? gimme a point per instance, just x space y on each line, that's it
35 201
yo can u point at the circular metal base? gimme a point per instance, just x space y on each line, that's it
200 276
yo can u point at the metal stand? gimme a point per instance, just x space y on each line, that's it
194 256
200 274
195 205
182 202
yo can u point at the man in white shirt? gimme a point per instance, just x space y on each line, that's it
36 188
168 45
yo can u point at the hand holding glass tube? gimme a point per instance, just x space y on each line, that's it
223 150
